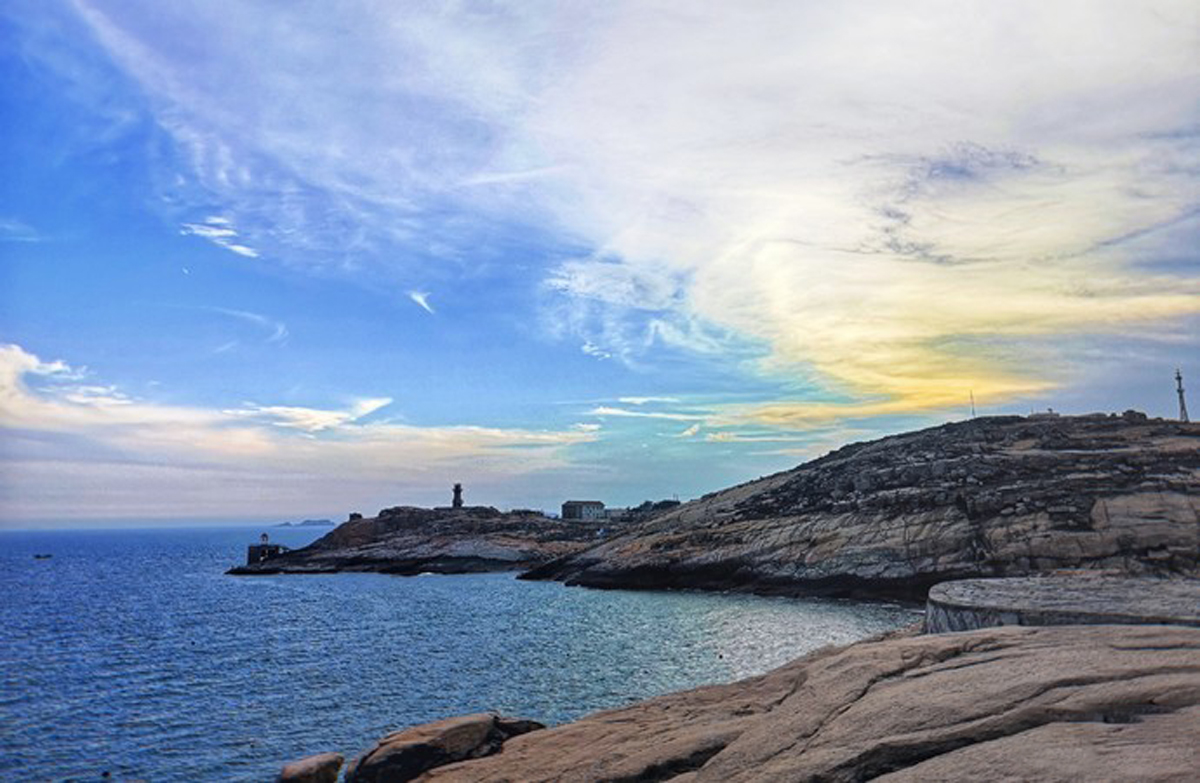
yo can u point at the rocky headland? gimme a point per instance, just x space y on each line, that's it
995 496
407 540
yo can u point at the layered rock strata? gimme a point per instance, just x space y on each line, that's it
1067 599
998 496
409 540
1113 703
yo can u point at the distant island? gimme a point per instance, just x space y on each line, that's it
308 523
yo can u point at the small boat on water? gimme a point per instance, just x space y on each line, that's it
42 557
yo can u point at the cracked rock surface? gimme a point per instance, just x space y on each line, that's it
995 496
1113 703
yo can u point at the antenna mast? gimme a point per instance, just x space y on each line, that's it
1182 403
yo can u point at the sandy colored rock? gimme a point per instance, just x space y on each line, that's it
995 496
1113 703
405 754
322 768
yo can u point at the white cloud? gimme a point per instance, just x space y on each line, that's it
422 300
647 400
87 449
220 232
879 194
606 410
311 420
591 349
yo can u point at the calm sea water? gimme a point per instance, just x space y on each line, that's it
131 652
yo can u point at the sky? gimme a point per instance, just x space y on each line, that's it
276 260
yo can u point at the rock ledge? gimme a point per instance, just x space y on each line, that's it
1075 599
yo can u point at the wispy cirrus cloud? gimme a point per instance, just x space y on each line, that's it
14 230
882 198
311 420
648 400
276 331
608 410
219 231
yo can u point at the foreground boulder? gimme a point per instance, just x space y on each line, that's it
322 768
403 755
1113 703
997 496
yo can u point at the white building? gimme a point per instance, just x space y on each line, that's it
586 510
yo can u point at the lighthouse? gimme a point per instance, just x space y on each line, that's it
1182 402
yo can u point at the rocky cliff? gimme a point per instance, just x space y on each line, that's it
994 496
410 540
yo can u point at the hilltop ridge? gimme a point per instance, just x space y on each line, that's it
407 540
993 496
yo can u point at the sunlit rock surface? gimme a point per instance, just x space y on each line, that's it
1112 703
997 496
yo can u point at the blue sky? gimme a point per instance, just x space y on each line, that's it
270 260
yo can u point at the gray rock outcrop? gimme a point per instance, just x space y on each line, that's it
1067 703
1078 598
404 755
998 496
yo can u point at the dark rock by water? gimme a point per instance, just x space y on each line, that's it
322 768
406 754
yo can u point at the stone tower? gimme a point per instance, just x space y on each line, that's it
457 496
1182 402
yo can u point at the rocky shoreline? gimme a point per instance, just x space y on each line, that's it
989 497
1114 703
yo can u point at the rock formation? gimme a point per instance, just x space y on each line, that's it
1076 598
994 496
409 540
1113 703
322 768
404 755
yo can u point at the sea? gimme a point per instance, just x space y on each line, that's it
132 653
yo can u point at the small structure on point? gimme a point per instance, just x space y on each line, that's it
264 550
586 510
457 502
